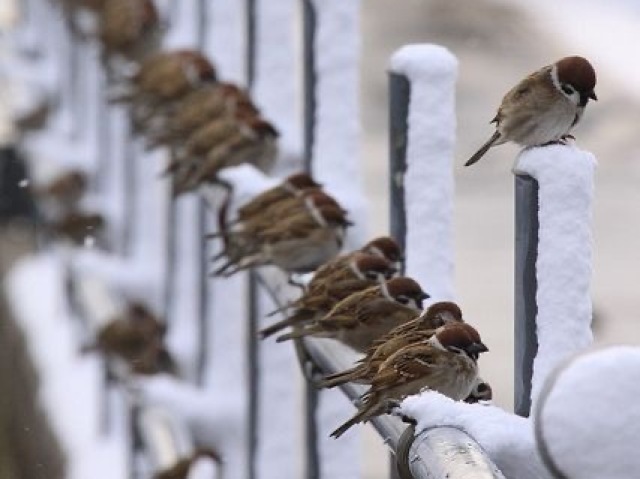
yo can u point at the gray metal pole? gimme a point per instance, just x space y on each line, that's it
526 254
399 94
308 61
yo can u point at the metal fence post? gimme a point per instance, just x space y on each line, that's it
252 320
526 253
399 94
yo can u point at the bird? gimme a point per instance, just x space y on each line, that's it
360 272
363 317
544 106
481 392
298 245
445 363
386 247
414 331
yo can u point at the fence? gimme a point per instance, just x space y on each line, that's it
156 247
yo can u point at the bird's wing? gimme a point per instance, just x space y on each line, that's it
406 365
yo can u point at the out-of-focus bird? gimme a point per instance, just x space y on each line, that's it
481 392
414 331
360 272
544 107
298 245
364 317
446 363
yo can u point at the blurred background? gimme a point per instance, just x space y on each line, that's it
497 43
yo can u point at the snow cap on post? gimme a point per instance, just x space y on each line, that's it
432 71
587 415
563 268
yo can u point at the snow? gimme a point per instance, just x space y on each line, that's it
62 369
588 419
429 188
336 164
563 269
274 86
508 439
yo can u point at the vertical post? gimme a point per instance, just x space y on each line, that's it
526 254
308 61
252 292
399 94
309 88
203 309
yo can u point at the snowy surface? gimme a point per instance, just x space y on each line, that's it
508 439
563 269
589 419
62 369
432 72
274 87
336 164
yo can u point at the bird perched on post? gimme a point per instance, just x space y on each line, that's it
446 363
414 331
360 272
544 107
363 317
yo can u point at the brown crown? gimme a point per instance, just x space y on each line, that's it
577 72
444 311
301 181
368 262
387 245
404 286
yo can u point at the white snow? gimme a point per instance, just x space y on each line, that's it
74 417
589 418
508 439
563 269
429 189
336 164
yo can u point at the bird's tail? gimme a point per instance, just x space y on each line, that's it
337 379
299 333
296 318
480 153
366 411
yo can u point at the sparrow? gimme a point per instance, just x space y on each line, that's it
254 142
363 317
292 186
205 103
360 272
298 245
129 28
544 107
65 190
445 363
385 247
137 338
417 330
78 226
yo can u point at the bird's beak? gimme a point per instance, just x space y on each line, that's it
593 96
424 295
477 348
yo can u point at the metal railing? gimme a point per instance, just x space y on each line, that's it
436 453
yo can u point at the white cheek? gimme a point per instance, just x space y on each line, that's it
573 98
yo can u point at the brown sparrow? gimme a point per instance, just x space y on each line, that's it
363 317
414 331
326 290
544 107
130 28
386 247
293 185
299 245
446 363
254 142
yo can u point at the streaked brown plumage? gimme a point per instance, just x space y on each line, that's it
364 317
446 363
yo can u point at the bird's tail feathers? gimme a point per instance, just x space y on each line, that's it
480 153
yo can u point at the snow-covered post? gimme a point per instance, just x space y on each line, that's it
336 164
272 72
563 264
427 178
309 79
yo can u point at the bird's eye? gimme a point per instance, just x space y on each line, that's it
568 89
371 275
403 299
